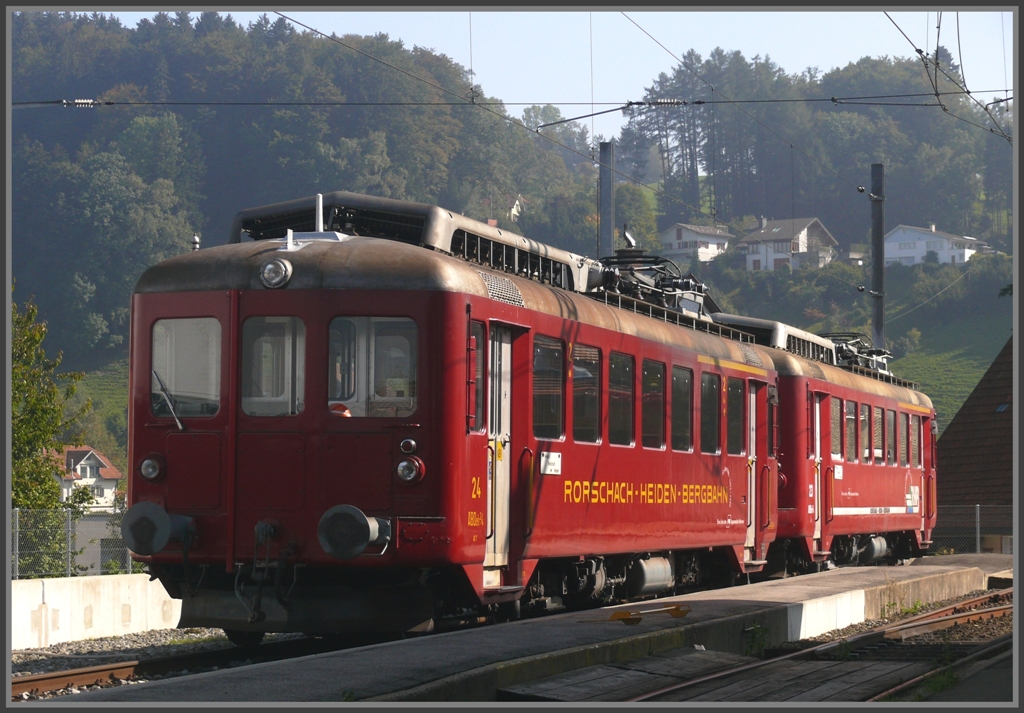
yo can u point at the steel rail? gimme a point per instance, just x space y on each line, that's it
991 648
88 676
874 635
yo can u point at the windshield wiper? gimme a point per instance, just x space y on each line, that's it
167 398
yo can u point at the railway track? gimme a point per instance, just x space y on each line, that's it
124 672
874 665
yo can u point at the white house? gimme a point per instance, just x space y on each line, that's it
795 242
908 245
679 242
87 468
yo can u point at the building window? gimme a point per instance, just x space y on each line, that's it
653 405
586 394
679 233
97 490
547 387
907 260
710 410
794 246
620 399
908 246
935 245
781 262
756 266
682 409
781 246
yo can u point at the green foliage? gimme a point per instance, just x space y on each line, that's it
39 416
632 209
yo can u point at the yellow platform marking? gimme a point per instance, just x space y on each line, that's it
631 618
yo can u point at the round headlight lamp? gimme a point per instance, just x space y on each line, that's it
275 273
152 469
410 469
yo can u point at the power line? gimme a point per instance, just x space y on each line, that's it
902 314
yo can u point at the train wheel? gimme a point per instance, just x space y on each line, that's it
244 639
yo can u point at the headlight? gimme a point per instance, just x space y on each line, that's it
152 468
410 469
276 273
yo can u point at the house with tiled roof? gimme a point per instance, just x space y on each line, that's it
86 467
681 241
908 245
792 243
975 451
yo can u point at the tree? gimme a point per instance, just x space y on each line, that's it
40 419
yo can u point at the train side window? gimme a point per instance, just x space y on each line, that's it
890 437
836 406
904 435
734 410
876 435
915 441
586 394
547 387
851 431
479 386
273 366
186 361
620 399
653 404
865 434
371 369
682 409
710 412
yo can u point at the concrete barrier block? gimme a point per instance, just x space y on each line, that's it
896 596
52 611
817 616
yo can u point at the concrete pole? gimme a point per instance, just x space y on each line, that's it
878 255
606 199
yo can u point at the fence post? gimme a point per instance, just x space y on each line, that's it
16 541
67 532
977 529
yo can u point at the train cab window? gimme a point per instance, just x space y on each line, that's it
620 399
547 387
710 411
836 406
851 431
865 433
480 357
586 394
890 437
653 405
185 377
371 369
915 441
904 434
273 366
876 436
682 409
734 410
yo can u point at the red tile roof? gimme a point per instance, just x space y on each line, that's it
73 455
975 452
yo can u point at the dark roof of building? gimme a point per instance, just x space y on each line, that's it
975 452
703 229
786 229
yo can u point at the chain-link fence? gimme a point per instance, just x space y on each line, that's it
56 543
973 528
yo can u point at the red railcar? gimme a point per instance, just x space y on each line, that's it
372 413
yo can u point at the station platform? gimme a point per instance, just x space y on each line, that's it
475 664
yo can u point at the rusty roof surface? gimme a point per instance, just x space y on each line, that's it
975 452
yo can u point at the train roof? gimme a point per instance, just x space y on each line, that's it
334 261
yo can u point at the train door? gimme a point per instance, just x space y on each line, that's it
751 466
499 457
819 399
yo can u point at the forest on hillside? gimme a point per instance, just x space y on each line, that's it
200 118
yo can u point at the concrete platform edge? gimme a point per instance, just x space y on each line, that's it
730 634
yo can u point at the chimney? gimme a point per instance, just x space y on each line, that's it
933 227
764 223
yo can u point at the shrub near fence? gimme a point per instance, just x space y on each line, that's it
56 543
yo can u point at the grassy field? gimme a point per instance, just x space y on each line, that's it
105 428
952 359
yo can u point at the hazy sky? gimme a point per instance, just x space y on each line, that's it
576 57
